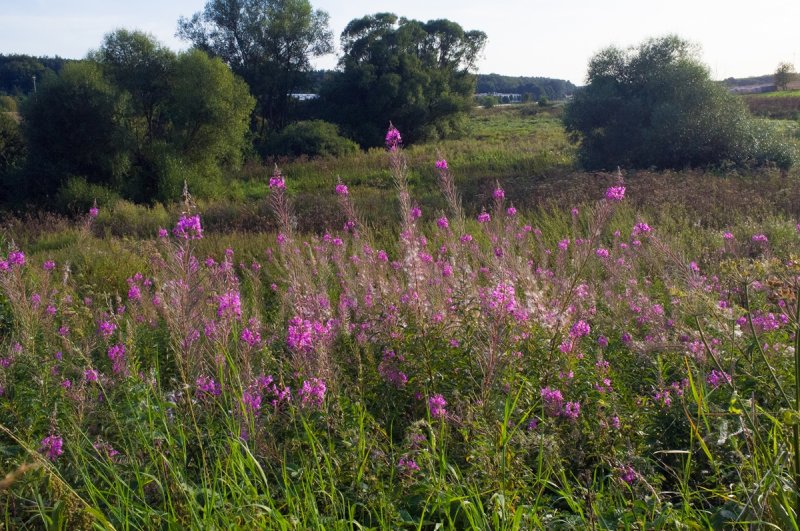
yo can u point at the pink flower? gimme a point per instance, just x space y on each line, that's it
393 138
188 228
728 236
572 410
436 405
499 193
580 329
442 222
313 392
93 212
16 258
229 305
407 465
52 445
511 212
441 164
416 213
277 182
615 193
49 265
342 190
207 385
760 238
484 217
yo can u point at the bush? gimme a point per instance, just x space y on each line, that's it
77 195
656 106
313 138
8 104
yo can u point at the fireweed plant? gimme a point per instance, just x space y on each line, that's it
479 373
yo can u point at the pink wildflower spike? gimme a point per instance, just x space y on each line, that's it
393 138
441 164
436 405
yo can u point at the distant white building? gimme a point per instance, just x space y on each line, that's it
304 97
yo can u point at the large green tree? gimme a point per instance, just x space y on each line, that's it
416 74
138 119
655 106
269 43
73 127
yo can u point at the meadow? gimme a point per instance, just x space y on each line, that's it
471 334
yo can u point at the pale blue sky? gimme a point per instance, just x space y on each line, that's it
545 38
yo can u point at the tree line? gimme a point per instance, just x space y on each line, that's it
136 119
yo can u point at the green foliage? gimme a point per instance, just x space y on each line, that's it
12 145
655 106
312 138
8 104
74 127
138 120
17 72
416 74
269 43
77 196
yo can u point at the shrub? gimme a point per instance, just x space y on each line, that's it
313 138
656 106
77 195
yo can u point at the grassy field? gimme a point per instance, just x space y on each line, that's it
501 342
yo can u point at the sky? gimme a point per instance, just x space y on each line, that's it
552 38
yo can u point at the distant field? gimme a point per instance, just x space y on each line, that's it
778 105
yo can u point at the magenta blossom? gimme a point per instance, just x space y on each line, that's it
53 446
313 392
484 217
188 228
342 190
615 193
436 405
277 182
441 164
393 138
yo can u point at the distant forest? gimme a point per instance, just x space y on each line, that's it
536 87
17 72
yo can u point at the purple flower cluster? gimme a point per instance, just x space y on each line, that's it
188 228
580 329
229 305
390 372
484 217
116 353
277 182
206 385
615 193
436 406
52 446
303 335
312 393
393 138
716 378
342 190
441 164
407 465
